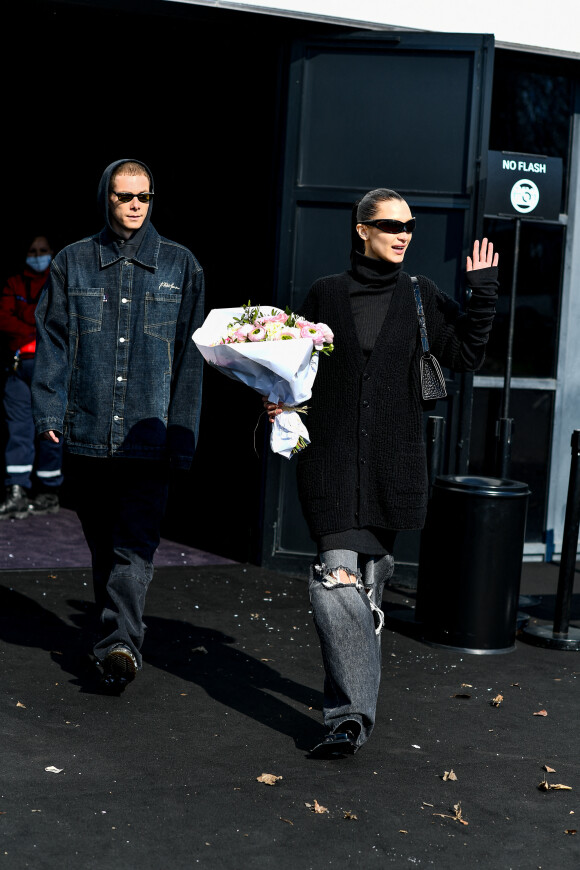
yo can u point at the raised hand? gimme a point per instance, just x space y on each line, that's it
482 257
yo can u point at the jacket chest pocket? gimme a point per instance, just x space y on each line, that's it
161 310
86 309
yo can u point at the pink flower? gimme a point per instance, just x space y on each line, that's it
273 318
288 332
257 334
312 332
241 334
327 333
300 322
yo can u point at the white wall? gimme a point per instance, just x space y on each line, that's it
567 410
544 25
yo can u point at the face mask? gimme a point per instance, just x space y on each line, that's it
39 264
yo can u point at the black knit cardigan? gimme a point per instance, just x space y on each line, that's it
366 464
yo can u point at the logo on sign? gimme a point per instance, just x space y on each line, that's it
524 195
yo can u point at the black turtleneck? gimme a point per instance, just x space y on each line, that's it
371 290
129 247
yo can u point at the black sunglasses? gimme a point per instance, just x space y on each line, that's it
391 226
128 197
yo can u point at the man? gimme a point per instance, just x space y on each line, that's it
33 471
119 378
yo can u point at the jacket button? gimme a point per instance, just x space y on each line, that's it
363 461
121 340
124 301
363 432
365 404
366 376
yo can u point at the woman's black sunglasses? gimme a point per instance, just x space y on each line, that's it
129 197
391 226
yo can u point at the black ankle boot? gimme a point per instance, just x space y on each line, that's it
15 504
44 503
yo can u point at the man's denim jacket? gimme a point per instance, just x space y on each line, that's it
116 370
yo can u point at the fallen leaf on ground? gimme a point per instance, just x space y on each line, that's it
288 822
266 660
458 817
549 769
541 713
268 778
570 831
516 685
316 807
466 686
461 695
544 785
495 702
53 769
349 815
425 804
199 649
403 832
449 775
18 704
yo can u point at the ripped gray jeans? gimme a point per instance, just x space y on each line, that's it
349 621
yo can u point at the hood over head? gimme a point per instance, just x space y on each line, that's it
103 194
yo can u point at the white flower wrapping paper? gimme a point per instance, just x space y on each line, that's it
284 371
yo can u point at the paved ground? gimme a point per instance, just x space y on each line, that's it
166 775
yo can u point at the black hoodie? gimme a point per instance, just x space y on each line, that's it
126 247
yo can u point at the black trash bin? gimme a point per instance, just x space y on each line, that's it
470 563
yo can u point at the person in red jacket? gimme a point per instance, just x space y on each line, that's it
23 453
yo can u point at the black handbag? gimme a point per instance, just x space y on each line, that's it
432 379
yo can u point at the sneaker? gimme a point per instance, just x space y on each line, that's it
119 668
339 743
44 503
15 504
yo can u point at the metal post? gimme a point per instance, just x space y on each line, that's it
562 636
512 318
569 544
503 458
505 423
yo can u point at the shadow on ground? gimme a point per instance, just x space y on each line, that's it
200 655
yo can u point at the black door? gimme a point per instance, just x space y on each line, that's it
403 110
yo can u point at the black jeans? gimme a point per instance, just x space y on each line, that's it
120 503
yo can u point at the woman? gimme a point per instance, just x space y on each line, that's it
23 453
364 475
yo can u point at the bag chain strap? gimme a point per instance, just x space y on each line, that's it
420 315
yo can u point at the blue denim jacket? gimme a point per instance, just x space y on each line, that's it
116 370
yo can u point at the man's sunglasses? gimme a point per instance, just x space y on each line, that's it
391 226
129 197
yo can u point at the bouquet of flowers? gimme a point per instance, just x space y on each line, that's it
273 351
